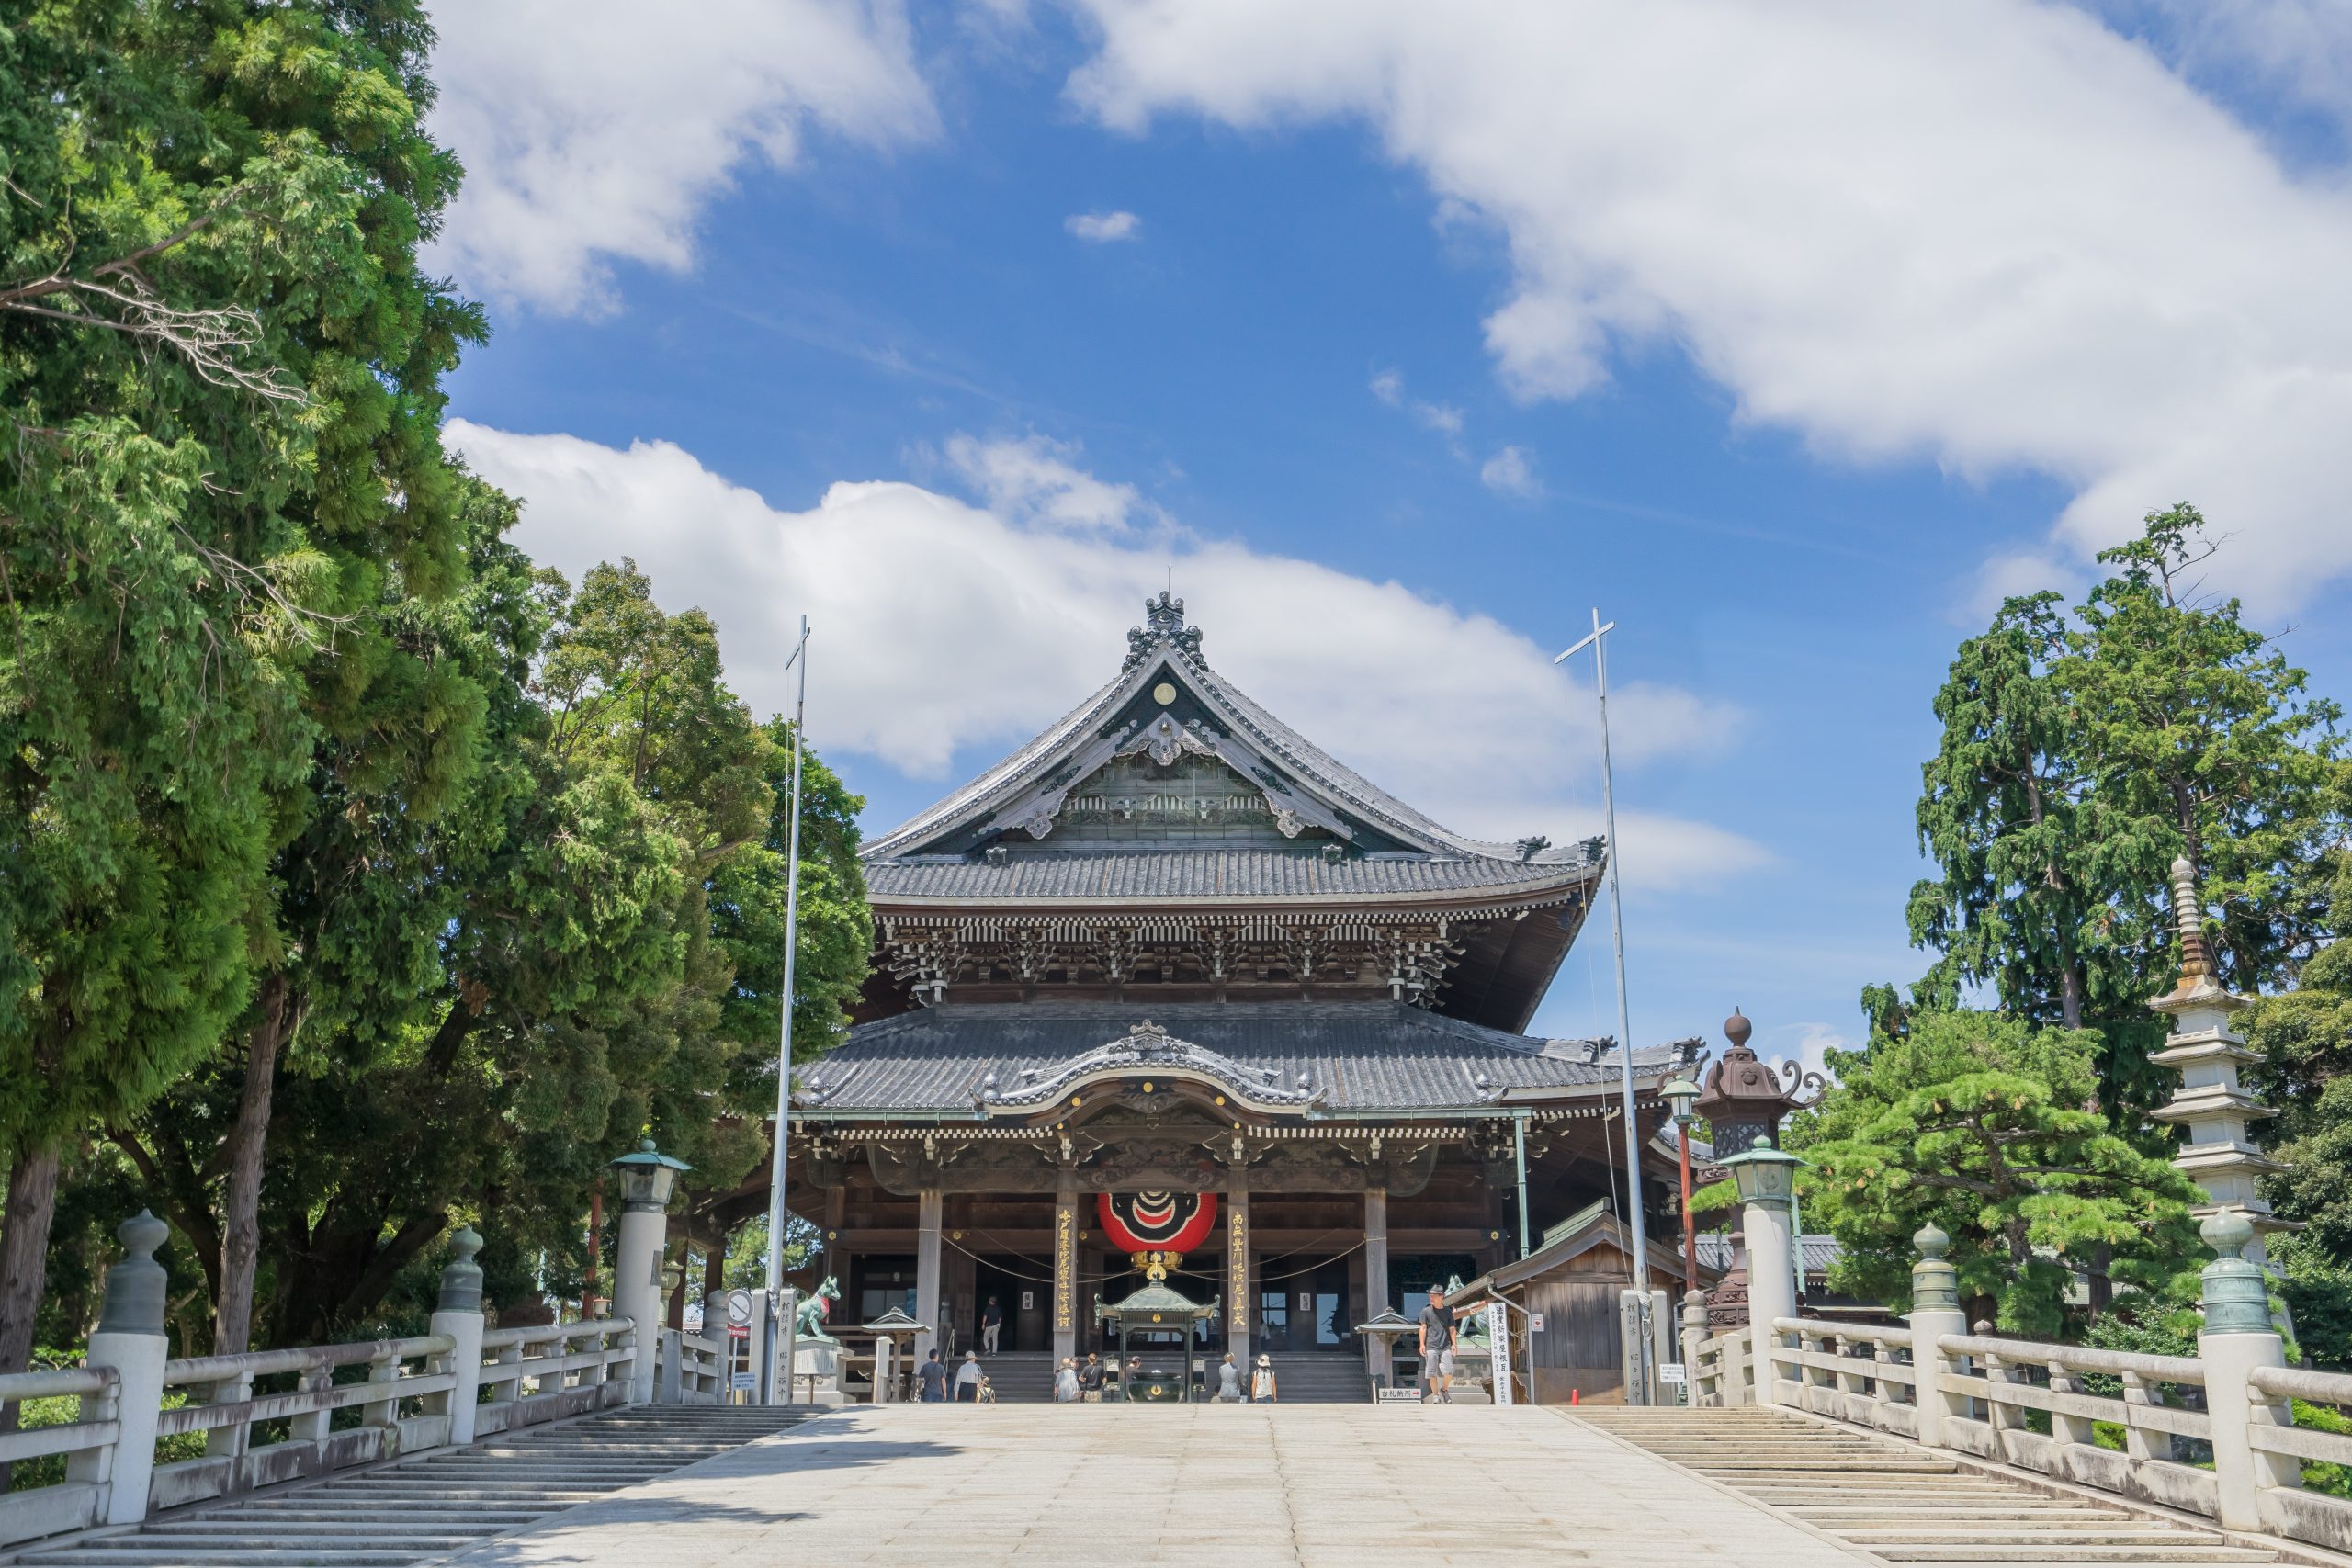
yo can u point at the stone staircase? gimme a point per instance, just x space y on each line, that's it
1902 1503
401 1514
1334 1379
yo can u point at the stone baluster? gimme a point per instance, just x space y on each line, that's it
2142 1442
2238 1337
457 1313
2074 1430
1695 1334
129 1340
1935 1316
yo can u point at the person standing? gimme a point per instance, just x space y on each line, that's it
1261 1382
1228 1382
991 1325
1066 1383
1436 1327
1089 1379
933 1376
967 1379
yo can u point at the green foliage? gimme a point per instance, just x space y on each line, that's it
1982 1124
2082 751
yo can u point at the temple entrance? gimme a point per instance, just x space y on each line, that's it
1023 1300
1306 1310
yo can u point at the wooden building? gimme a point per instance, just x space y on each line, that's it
1171 974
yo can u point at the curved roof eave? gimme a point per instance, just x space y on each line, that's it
1338 785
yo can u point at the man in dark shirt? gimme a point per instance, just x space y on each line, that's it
934 1374
991 1325
1090 1380
1436 1323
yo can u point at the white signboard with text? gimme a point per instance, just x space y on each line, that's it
1499 1335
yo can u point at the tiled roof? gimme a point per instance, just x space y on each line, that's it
1214 872
1160 651
1820 1251
1360 1056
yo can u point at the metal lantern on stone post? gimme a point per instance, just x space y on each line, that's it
1683 1096
1767 1185
647 1177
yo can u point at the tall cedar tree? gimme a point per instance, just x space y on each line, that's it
218 374
615 901
2080 754
1980 1124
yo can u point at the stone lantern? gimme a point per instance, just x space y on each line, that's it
1743 1104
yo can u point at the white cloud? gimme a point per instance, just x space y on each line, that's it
1510 472
1103 228
1444 418
1389 387
592 131
1034 480
1808 1044
1996 235
939 625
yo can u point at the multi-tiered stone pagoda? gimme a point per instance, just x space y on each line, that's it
1171 980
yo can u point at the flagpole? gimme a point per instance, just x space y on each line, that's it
1639 1265
768 1392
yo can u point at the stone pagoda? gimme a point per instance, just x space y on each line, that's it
2216 1153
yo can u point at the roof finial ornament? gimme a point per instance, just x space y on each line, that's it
1163 625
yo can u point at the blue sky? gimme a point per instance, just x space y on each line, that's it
1789 337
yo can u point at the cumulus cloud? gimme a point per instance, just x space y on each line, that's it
1103 228
941 624
1444 418
1036 481
593 132
1510 472
1999 236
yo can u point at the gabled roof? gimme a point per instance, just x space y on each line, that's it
1342 1057
1209 715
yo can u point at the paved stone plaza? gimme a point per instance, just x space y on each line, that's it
1235 1486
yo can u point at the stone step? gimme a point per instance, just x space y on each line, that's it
136 1551
1959 1533
2062 1554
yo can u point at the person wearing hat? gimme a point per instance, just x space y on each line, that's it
967 1379
1261 1381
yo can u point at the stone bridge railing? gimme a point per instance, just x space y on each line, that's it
2214 1434
275 1416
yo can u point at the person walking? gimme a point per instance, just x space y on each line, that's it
1089 1379
933 1376
1066 1383
988 1390
1437 1335
1228 1382
967 1379
991 1325
1261 1382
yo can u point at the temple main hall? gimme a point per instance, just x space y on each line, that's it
1170 990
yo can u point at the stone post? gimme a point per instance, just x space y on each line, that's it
931 1212
2237 1338
787 1346
458 1315
130 1338
637 1288
1935 1313
1772 1287
670 1387
1695 1334
1376 1280
886 1368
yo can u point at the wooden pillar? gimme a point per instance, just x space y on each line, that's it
1064 1306
1239 1305
929 1213
1375 1278
836 1215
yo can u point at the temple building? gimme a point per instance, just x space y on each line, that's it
1169 990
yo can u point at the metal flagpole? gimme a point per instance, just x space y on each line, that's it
768 1392
1640 1392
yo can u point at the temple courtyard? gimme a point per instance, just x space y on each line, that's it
1046 1485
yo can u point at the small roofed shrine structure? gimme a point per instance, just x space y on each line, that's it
1172 990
